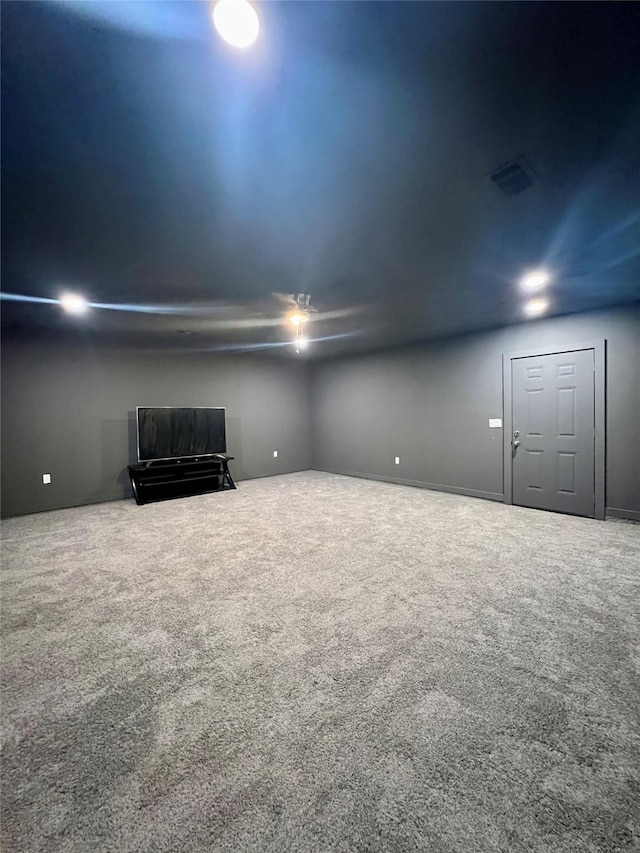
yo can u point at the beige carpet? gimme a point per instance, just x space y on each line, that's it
318 663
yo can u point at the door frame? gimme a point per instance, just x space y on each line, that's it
599 352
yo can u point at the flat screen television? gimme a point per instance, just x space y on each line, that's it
174 433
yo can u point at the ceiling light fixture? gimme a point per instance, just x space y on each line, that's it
237 22
536 307
299 316
535 281
300 340
73 303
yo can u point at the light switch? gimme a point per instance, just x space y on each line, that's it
46 479
397 460
495 423
275 454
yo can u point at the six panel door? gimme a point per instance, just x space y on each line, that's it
553 421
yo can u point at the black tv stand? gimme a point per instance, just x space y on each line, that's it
163 479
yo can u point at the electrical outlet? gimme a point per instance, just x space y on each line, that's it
275 454
397 460
46 479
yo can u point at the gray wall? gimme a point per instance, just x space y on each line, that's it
66 410
430 404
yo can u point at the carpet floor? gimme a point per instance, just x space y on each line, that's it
320 663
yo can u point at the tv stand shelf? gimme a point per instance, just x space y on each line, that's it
180 478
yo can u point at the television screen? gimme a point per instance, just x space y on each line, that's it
171 433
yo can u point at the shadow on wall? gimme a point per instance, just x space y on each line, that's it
133 440
114 448
234 447
117 450
132 444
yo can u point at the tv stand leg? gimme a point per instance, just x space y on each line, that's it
226 477
134 486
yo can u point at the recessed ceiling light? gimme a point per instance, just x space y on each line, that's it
297 318
236 21
535 280
73 303
536 307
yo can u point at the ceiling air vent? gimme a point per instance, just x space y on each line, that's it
513 178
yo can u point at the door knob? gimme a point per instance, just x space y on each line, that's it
516 443
516 433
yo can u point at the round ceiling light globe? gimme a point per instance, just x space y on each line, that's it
236 21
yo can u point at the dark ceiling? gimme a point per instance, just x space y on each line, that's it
180 183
